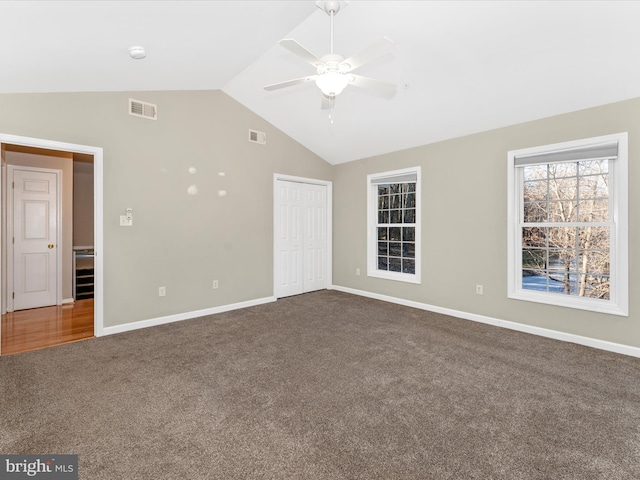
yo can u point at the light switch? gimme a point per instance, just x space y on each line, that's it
127 219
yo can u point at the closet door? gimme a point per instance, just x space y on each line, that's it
301 238
314 202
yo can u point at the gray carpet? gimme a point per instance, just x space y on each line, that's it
326 385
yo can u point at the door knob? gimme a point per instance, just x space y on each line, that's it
51 245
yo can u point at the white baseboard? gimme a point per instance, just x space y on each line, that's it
152 322
67 300
543 332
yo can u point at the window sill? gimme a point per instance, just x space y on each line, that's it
581 303
399 277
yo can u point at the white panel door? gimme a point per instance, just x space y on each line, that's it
301 238
289 238
315 237
35 233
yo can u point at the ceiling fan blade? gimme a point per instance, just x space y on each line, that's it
294 47
327 102
289 83
370 53
384 89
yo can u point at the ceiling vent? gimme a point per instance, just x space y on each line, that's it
143 109
257 137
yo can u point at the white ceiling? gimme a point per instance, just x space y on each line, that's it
461 67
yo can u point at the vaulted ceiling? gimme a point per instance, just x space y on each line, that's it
461 66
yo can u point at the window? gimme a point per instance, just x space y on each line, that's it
568 224
394 225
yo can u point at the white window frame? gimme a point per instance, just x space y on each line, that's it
618 303
372 234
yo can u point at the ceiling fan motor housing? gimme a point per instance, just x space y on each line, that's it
329 6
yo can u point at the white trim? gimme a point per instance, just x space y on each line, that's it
372 235
153 322
11 233
98 209
619 198
67 300
520 327
312 181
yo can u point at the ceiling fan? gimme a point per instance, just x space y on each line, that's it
333 71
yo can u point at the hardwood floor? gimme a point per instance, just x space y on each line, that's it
27 330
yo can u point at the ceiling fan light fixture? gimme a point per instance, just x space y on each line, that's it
332 83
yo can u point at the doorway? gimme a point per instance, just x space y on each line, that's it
302 235
83 167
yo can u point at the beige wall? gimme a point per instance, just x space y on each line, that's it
184 242
464 222
177 240
82 204
64 162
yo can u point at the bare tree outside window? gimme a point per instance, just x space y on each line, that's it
566 236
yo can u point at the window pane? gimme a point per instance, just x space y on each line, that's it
562 261
596 186
383 233
596 263
383 202
562 237
563 211
383 189
536 191
593 167
395 265
383 217
410 215
560 170
535 212
534 237
383 248
394 234
408 250
395 201
383 263
396 188
563 188
395 216
410 200
535 172
409 234
395 249
594 210
410 187
594 238
533 259
408 266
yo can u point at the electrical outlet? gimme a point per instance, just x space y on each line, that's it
357 271
215 284
479 290
162 291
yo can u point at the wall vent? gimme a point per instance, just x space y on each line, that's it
143 109
257 137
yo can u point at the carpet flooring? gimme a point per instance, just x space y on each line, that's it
326 385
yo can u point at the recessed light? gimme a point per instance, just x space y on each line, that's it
137 53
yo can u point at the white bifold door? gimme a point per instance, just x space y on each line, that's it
301 238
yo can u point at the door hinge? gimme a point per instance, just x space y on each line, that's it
13 184
14 295
13 239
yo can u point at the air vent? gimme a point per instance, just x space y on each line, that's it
143 109
257 137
